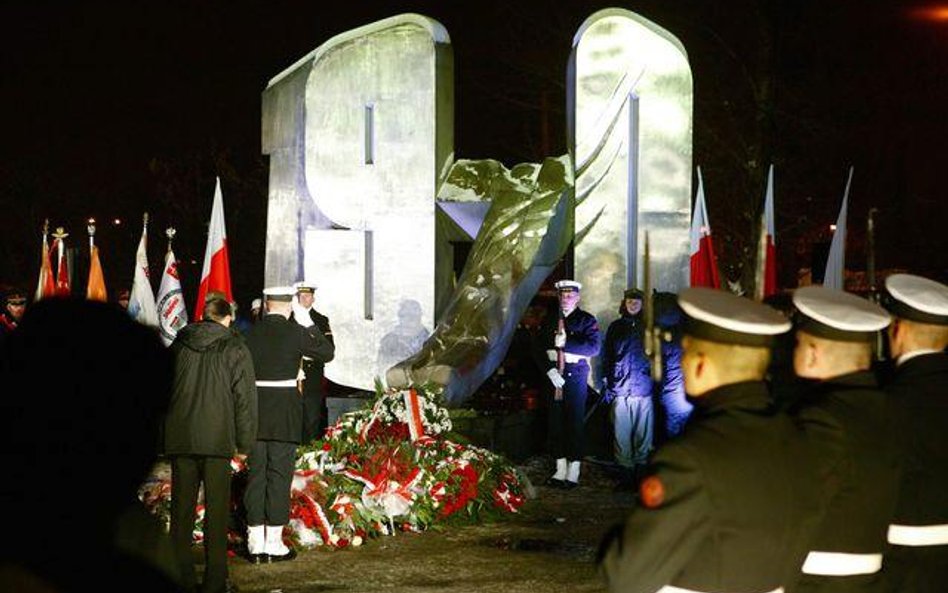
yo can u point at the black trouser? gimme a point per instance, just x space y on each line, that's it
187 473
270 473
567 417
313 401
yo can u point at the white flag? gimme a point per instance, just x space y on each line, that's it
836 261
172 315
141 302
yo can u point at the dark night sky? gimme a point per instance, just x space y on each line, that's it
111 110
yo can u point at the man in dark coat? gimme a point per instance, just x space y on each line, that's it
847 421
212 417
570 338
627 384
314 396
277 345
724 505
917 559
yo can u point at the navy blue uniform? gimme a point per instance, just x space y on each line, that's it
848 422
917 559
583 340
727 505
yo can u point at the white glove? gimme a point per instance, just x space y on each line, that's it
556 378
559 339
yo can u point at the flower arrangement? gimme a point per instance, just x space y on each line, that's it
387 468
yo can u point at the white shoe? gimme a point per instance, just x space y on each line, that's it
255 539
572 475
274 546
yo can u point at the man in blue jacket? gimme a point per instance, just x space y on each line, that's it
627 384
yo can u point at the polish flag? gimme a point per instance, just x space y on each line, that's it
704 268
836 260
770 262
215 275
46 286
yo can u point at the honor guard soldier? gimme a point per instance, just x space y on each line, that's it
847 422
277 346
563 348
311 371
917 559
724 506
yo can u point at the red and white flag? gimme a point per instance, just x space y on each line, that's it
770 262
704 267
215 275
172 315
836 261
46 285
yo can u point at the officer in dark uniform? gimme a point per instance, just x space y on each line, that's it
848 425
314 397
917 559
571 338
725 505
277 346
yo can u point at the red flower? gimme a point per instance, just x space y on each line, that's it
327 447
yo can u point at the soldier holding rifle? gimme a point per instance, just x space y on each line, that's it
565 345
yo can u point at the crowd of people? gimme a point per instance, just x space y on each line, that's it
836 485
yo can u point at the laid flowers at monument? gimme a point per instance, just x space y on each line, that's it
386 468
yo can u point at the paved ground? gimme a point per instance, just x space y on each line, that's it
549 547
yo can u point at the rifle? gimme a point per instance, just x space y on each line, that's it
560 357
760 271
653 335
871 273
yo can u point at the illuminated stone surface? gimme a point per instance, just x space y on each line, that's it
630 98
358 132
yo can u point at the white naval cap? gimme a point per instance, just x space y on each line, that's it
279 293
719 316
838 315
305 286
568 285
917 299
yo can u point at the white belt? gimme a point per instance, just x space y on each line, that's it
285 383
918 535
568 357
840 564
671 589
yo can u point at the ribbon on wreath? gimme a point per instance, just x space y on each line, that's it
394 498
323 526
416 427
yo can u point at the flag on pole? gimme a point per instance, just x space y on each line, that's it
172 315
46 285
62 266
215 275
95 287
836 261
141 301
704 268
95 290
770 261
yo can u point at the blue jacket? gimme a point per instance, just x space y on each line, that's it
625 369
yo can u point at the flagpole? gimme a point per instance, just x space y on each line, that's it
91 228
170 232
